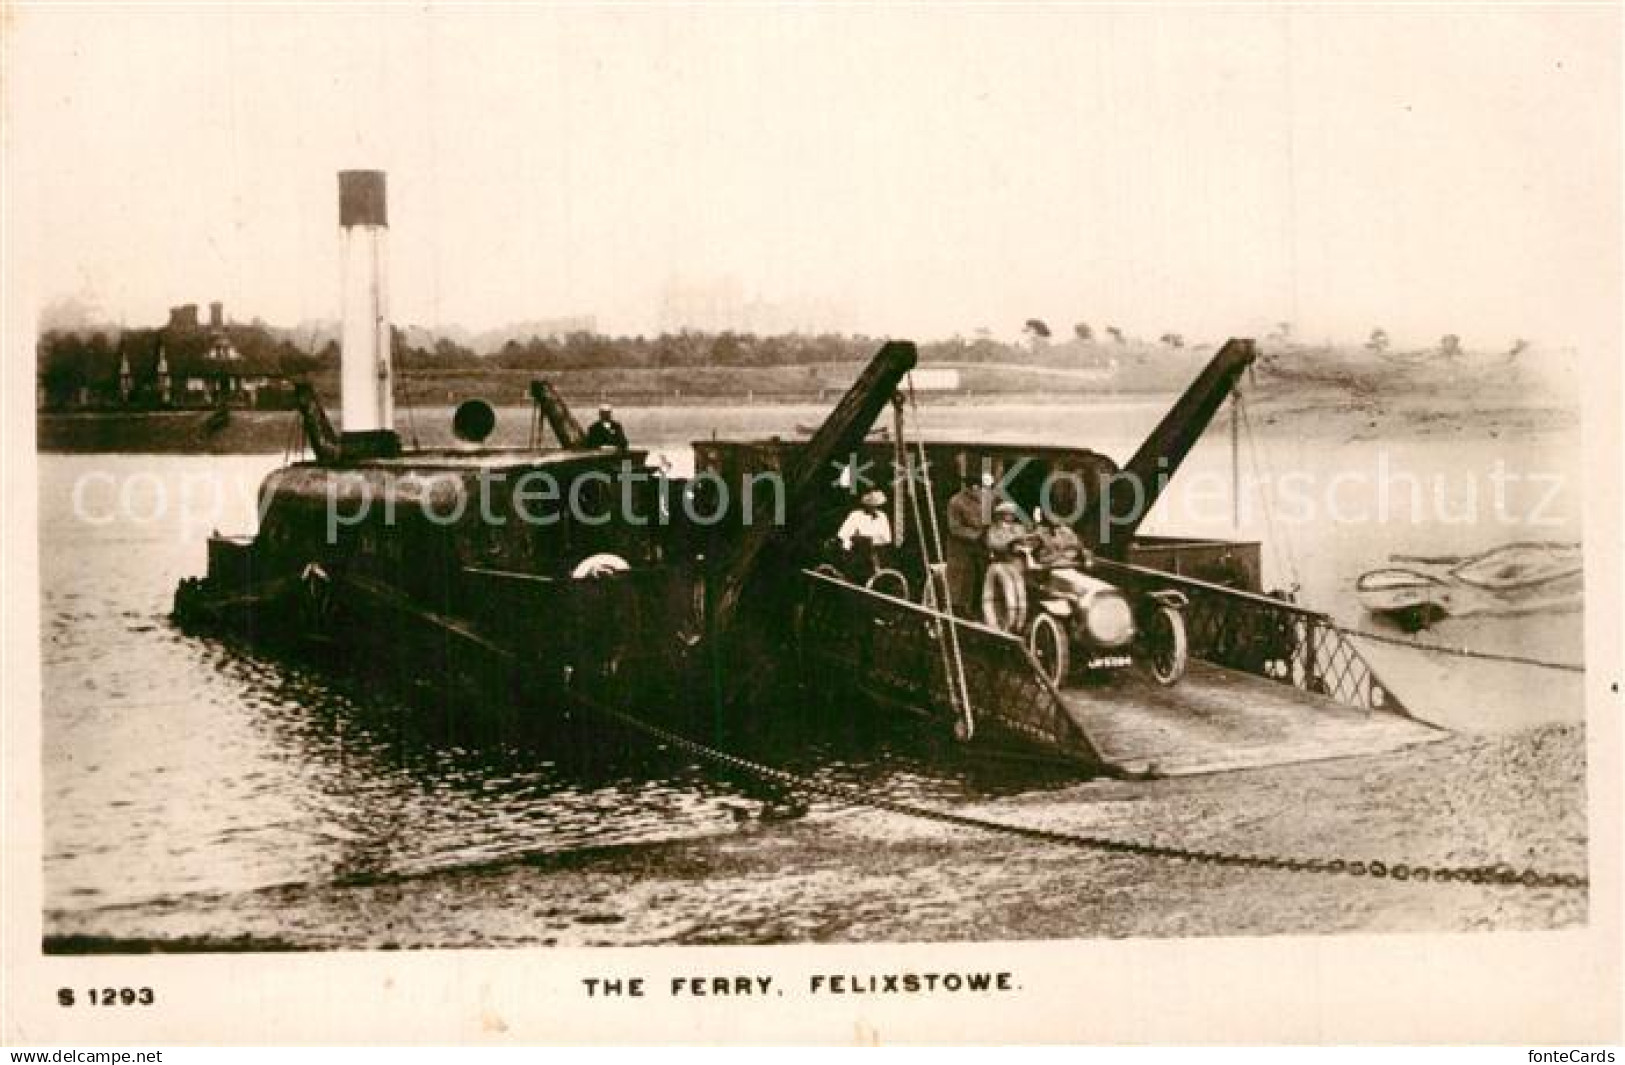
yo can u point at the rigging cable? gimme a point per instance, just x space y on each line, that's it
965 728
1280 542
951 676
1462 652
411 418
292 444
900 460
400 373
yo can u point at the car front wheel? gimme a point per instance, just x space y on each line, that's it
1165 646
1047 640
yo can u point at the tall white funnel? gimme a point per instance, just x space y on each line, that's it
365 377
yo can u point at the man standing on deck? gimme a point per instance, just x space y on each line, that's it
606 431
867 522
969 513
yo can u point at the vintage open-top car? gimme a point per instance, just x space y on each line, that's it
1072 619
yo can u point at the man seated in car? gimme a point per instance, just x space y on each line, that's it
1004 587
1008 533
1058 544
1059 551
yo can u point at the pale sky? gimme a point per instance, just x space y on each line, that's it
1199 170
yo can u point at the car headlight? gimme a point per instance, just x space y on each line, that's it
1109 620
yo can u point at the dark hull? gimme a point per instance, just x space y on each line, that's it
820 650
545 655
490 682
501 640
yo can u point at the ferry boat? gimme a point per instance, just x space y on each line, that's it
675 598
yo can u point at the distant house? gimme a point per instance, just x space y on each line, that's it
183 365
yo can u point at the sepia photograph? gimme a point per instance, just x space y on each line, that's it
846 524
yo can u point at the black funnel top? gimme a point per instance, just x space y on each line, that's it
361 198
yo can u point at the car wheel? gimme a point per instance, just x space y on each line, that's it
1047 640
1164 645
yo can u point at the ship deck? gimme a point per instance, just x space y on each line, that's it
507 458
1217 719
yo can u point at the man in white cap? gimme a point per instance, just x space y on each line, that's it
866 522
606 431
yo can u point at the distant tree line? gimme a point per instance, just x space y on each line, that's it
578 351
69 359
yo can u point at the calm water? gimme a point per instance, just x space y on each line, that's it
180 771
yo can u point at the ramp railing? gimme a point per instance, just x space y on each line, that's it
892 647
1267 637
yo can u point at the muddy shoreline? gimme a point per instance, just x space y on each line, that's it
852 874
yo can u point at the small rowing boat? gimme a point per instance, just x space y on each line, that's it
1511 579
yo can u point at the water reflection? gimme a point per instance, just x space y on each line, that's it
410 785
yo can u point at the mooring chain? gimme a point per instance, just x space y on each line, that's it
1459 652
1496 874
